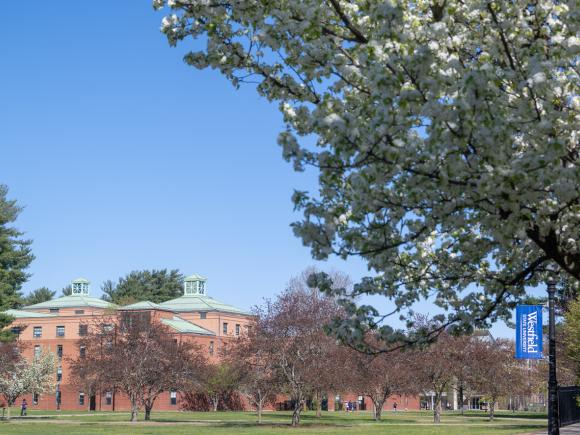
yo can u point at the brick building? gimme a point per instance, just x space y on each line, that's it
57 325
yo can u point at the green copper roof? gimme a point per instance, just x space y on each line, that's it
19 314
70 302
184 326
200 303
144 305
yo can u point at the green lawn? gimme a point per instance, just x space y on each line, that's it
406 423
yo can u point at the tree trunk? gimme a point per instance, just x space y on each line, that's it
437 409
215 401
134 411
8 412
491 409
260 412
318 405
296 413
148 412
461 397
378 409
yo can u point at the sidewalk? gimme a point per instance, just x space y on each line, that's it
569 430
573 429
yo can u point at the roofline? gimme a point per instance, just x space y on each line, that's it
32 307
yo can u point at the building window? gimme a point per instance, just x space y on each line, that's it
83 330
81 398
82 351
201 287
237 329
79 312
225 328
59 374
173 397
59 350
202 315
15 330
58 398
189 287
37 332
108 398
60 331
211 347
35 398
37 351
54 310
80 288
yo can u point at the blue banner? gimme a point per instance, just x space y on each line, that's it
529 332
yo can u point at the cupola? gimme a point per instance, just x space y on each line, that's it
80 287
194 285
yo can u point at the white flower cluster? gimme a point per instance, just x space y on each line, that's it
447 133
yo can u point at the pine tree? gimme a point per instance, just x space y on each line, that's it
144 285
15 257
39 295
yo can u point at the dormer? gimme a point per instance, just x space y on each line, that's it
194 285
80 287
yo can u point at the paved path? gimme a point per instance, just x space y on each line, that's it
573 429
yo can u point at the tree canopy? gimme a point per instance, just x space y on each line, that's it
39 295
15 257
145 285
446 137
134 353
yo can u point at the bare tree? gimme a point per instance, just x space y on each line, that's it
134 353
259 381
433 372
380 376
293 327
495 372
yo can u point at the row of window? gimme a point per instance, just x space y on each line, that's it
56 310
225 328
37 331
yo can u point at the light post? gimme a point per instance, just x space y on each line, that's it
553 415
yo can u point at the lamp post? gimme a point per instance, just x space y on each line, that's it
553 415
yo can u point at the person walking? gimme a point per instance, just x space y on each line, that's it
23 408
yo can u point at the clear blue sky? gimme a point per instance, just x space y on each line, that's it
125 158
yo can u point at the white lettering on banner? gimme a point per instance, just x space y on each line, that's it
532 342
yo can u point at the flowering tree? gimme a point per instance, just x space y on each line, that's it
26 377
447 136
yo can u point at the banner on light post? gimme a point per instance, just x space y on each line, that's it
529 332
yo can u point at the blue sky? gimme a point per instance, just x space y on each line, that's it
125 158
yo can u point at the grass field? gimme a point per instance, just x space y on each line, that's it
222 423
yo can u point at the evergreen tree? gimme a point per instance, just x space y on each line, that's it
144 285
15 257
39 295
67 291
